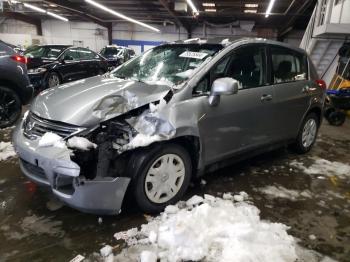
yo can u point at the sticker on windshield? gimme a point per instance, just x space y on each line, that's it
196 55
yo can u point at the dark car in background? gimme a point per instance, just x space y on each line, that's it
117 55
15 87
52 65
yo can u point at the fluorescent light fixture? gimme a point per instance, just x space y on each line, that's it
108 10
250 11
208 4
57 16
35 8
251 5
210 10
38 9
193 7
269 8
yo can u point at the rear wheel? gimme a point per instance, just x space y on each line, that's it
307 134
163 176
10 107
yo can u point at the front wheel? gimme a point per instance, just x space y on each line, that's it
53 80
307 134
162 178
10 107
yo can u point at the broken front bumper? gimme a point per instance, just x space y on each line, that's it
53 167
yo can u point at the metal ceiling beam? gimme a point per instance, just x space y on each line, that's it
24 18
171 13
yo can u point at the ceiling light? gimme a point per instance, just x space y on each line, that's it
269 8
208 4
193 7
108 10
251 11
57 16
210 10
35 8
251 5
38 9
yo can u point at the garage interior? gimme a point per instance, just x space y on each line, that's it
309 193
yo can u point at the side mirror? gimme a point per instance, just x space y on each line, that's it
222 86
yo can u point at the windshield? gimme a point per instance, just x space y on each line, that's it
48 52
168 64
109 51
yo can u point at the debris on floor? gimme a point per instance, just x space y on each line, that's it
6 150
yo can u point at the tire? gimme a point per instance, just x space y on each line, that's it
10 107
301 144
149 186
52 80
336 118
328 111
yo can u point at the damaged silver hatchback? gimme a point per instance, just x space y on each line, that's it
166 117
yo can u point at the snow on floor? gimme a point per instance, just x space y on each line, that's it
213 229
325 167
6 150
282 192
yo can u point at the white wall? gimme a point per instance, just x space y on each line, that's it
54 32
341 12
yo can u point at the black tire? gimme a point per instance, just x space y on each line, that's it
328 111
53 75
10 107
298 145
336 118
143 161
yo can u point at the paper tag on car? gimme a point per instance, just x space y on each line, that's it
196 55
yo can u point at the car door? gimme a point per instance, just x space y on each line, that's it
292 89
241 121
71 66
90 62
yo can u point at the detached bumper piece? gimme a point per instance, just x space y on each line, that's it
44 166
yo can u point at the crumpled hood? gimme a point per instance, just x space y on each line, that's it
89 101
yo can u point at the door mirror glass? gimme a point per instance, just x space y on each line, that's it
222 86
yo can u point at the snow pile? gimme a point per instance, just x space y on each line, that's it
282 192
216 230
6 150
51 139
324 167
80 143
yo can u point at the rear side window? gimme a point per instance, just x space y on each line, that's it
72 54
86 54
288 66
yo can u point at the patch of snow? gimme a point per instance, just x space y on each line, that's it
227 196
312 237
203 182
51 139
186 74
6 150
171 209
282 192
100 220
195 200
324 167
217 231
80 143
54 204
148 256
106 250
241 196
152 237
225 41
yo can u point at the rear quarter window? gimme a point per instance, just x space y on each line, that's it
288 65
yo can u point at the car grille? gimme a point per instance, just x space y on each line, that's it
35 126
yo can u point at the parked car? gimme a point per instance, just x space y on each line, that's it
15 88
52 65
166 117
117 55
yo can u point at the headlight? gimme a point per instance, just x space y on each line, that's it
38 70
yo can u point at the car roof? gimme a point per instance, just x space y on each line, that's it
66 46
227 41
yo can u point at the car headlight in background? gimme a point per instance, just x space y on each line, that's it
38 70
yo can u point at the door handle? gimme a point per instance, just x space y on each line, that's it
266 98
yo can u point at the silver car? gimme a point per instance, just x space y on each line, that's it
166 117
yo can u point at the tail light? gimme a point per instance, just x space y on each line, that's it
19 59
321 84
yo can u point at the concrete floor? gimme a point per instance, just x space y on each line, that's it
34 227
